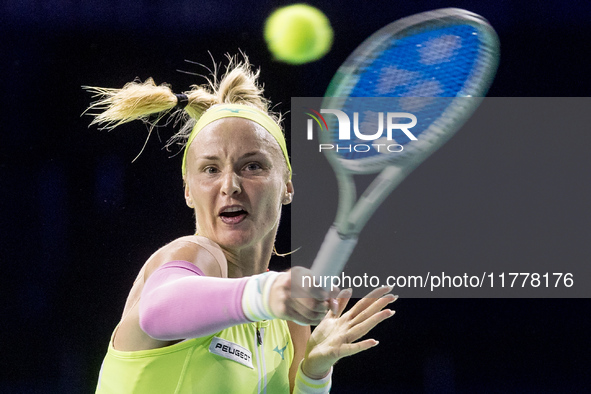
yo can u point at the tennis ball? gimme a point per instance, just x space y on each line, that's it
298 34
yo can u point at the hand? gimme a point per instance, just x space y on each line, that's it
335 336
289 300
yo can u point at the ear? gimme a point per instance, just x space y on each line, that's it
288 197
188 198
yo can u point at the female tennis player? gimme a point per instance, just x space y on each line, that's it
204 314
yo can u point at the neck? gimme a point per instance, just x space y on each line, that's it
248 261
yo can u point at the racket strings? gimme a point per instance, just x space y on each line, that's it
424 71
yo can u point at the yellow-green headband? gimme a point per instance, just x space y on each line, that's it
238 111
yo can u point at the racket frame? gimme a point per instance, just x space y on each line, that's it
352 216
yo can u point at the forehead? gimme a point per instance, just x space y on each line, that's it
233 134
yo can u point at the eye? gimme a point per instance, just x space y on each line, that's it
253 167
210 170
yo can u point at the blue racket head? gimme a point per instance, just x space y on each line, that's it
434 65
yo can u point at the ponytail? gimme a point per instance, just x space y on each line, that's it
142 100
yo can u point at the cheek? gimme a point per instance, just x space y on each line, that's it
201 194
198 187
265 195
273 201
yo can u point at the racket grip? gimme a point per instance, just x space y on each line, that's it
333 254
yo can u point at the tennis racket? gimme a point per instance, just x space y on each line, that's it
435 65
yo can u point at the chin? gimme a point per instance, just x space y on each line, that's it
236 239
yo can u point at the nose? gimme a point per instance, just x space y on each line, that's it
231 184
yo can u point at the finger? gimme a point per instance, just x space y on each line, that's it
313 293
357 347
376 306
313 305
366 326
299 323
368 300
339 304
336 292
303 314
302 289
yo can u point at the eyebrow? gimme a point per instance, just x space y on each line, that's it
244 156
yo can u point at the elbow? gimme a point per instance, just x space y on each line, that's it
151 318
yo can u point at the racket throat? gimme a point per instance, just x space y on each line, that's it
371 199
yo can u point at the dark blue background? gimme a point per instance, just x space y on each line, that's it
79 219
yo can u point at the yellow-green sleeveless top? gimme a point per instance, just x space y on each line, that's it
248 358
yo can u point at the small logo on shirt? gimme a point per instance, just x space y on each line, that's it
231 351
280 351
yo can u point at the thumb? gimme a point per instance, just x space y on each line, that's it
338 304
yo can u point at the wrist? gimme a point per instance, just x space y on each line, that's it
307 385
314 374
256 296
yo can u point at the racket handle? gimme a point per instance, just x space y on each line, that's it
333 254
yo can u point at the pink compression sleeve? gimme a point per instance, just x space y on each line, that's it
179 302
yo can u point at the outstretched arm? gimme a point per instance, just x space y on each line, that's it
179 302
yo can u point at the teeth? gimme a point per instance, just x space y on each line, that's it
232 209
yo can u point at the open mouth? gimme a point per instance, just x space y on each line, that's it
233 215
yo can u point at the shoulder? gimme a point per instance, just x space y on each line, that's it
197 250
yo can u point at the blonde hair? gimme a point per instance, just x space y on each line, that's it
142 100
